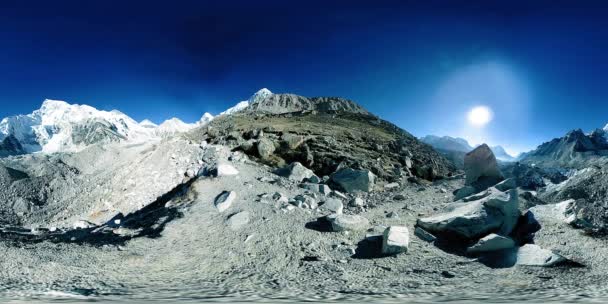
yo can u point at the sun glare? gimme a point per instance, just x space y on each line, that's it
480 116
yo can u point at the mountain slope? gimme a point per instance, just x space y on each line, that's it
324 134
575 150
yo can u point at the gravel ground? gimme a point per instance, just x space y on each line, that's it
280 256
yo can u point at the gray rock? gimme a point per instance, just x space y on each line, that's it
354 180
291 141
392 214
295 171
492 242
464 192
224 200
323 189
497 211
344 222
357 202
313 179
238 220
507 184
223 169
534 255
265 148
334 205
391 186
424 235
396 239
481 163
399 197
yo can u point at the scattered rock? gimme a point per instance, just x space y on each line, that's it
497 211
424 235
224 170
357 202
480 165
464 192
392 214
396 239
534 255
507 184
399 197
292 141
354 180
323 189
391 186
344 222
265 148
238 220
492 242
334 205
295 171
224 200
448 274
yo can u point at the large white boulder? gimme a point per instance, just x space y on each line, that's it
396 239
494 211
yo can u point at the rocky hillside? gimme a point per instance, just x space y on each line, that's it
575 150
325 134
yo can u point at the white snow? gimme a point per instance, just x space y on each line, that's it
207 118
146 123
51 128
259 95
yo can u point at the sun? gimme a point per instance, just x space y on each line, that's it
480 116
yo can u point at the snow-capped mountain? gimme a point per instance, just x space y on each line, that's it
146 123
62 127
59 126
574 150
259 95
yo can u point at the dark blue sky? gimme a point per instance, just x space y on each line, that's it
541 67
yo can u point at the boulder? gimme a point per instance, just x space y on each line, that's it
464 192
265 148
507 184
291 141
323 189
295 171
223 169
354 180
492 242
534 255
238 220
357 202
495 212
334 205
480 166
345 222
424 235
396 239
224 200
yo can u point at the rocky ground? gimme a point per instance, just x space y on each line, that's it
258 244
297 199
